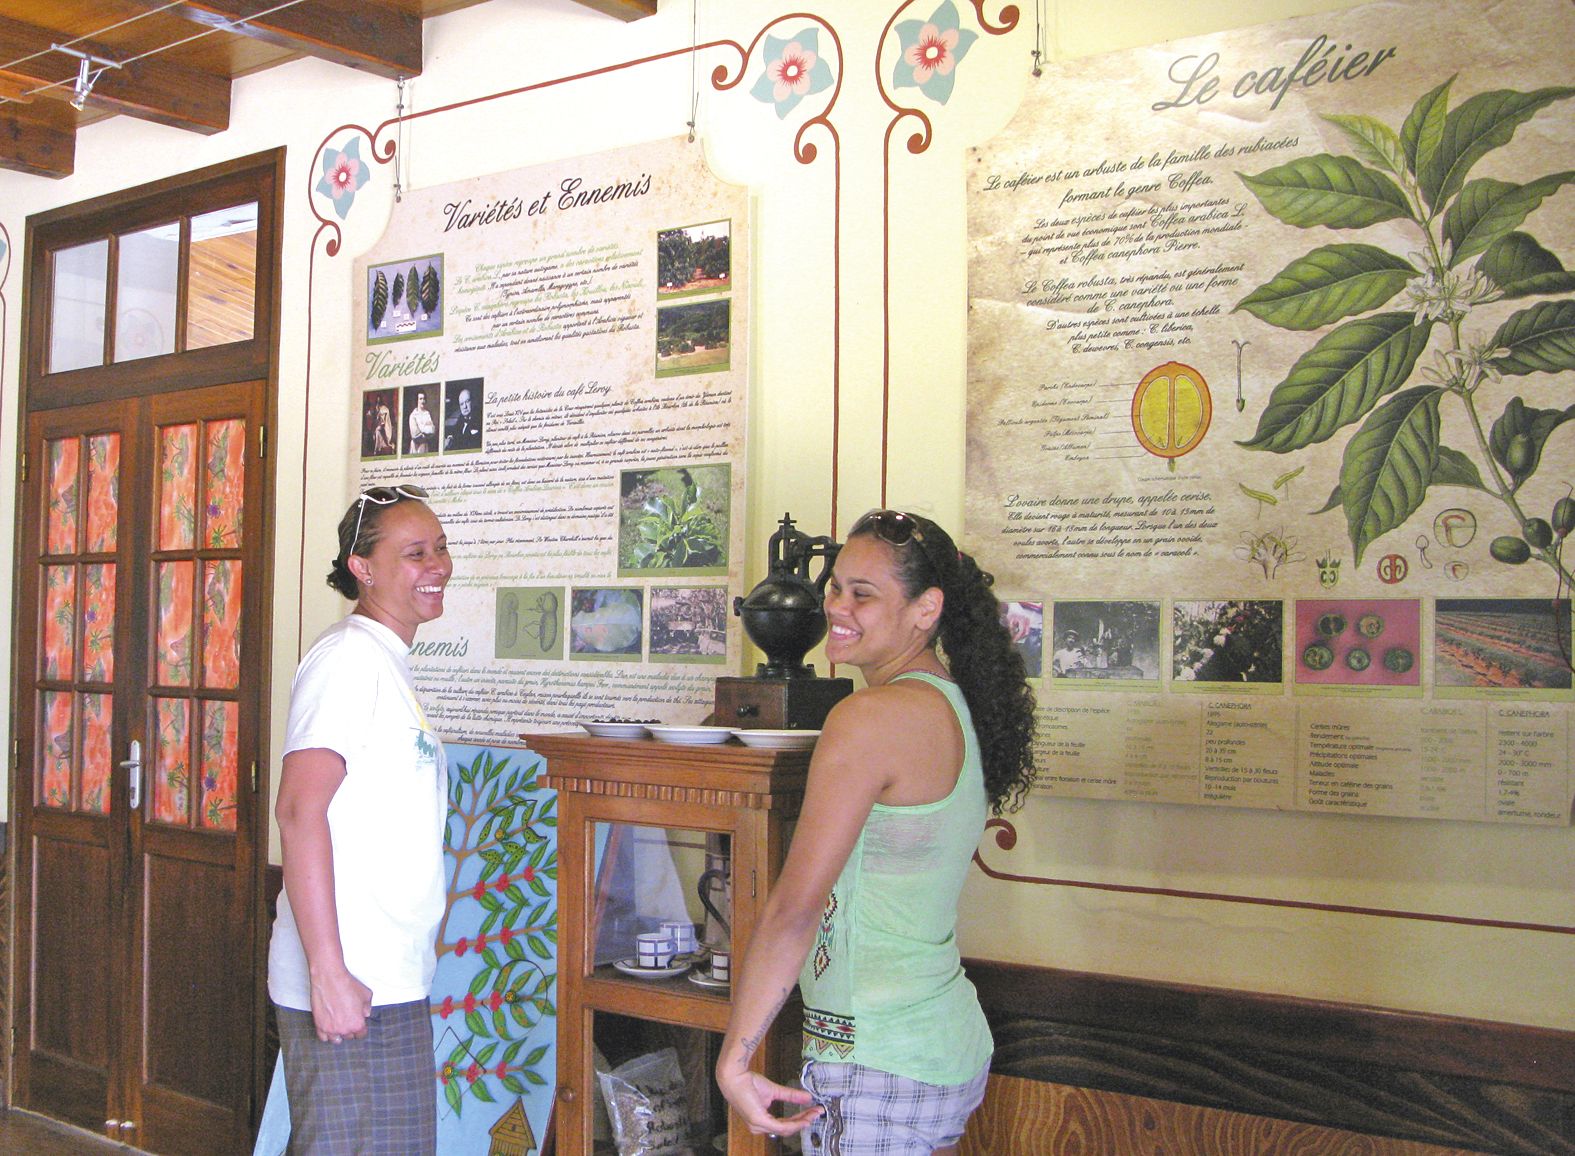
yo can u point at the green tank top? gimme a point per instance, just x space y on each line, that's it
883 985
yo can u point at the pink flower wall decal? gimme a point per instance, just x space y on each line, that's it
794 69
929 51
343 173
790 73
935 52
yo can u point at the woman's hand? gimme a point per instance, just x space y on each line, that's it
340 1006
752 1096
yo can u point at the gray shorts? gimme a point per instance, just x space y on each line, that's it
873 1113
375 1096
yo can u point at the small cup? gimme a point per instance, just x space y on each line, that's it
682 933
653 949
722 965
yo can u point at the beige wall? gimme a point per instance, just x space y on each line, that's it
1517 874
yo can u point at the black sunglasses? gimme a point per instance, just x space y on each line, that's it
897 529
382 496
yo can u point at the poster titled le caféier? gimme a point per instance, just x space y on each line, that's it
1272 341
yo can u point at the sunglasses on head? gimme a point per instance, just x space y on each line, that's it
381 496
896 529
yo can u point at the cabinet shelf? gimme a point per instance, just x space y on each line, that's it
741 798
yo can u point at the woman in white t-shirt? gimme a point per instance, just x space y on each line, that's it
362 806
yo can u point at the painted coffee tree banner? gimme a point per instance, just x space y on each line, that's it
1272 347
559 355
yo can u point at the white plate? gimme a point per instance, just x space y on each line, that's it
630 967
615 730
704 980
691 735
778 740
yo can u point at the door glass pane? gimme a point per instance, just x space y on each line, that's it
97 710
177 487
220 763
174 628
98 623
60 614
60 529
222 277
171 760
103 486
56 746
224 483
146 269
76 316
221 622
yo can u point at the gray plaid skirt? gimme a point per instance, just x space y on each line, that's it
364 1097
873 1113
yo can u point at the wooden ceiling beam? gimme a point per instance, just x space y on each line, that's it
355 33
148 89
38 139
625 10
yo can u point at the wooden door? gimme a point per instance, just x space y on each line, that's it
139 686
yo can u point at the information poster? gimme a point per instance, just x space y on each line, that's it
559 355
1270 428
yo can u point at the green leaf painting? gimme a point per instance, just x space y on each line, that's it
1339 192
1381 317
1329 284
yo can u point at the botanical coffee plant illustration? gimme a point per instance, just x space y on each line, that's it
1470 252
502 839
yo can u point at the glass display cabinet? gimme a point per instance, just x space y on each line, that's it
653 834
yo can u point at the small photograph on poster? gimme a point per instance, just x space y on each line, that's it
404 299
694 260
379 431
1358 642
693 338
606 622
689 623
462 401
1106 641
1025 621
674 519
1237 641
1501 643
420 419
528 622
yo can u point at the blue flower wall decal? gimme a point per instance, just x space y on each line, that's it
343 173
930 51
794 70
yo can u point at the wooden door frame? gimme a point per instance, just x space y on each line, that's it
259 177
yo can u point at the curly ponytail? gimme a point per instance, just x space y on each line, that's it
979 655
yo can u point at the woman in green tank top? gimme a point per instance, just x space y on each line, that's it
863 913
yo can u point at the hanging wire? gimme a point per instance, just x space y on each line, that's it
1039 38
399 139
226 26
693 65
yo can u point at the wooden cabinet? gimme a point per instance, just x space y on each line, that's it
723 796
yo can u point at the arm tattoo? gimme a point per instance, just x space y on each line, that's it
751 1043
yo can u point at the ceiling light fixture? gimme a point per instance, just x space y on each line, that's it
87 73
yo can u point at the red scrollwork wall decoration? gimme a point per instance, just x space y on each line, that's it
1006 839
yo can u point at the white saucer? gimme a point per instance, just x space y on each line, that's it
693 736
777 740
630 967
615 730
704 980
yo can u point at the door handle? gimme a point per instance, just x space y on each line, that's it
133 764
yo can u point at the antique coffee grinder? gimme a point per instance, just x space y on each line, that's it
783 616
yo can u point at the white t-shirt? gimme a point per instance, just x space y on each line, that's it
353 695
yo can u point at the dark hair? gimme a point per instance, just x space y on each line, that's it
359 532
979 655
